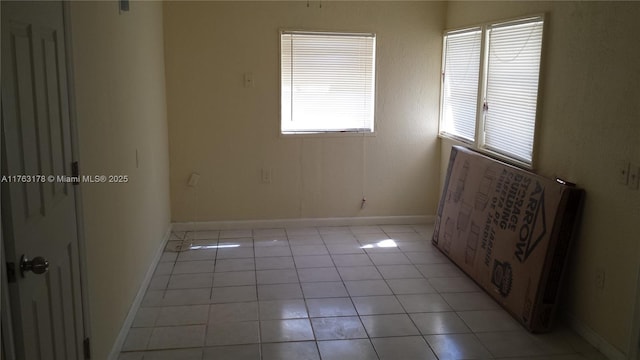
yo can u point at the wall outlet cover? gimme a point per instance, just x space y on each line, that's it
634 176
266 176
623 173
193 179
600 277
248 80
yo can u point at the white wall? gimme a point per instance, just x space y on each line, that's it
228 133
589 123
121 109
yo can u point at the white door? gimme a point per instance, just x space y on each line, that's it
39 215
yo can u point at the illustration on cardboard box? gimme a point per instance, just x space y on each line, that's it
509 230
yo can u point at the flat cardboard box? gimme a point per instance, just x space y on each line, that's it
510 231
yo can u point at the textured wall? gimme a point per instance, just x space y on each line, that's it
119 68
228 133
588 124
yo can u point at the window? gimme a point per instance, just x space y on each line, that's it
327 82
460 75
490 87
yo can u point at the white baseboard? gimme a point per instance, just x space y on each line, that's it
597 341
135 305
276 223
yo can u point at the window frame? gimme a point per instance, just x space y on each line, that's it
478 143
329 133
479 91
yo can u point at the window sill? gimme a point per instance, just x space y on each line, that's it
490 153
330 134
459 140
509 160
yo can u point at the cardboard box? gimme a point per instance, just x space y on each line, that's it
510 231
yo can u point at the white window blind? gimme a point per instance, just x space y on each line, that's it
495 65
460 83
512 88
327 82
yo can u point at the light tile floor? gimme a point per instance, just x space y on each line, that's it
343 293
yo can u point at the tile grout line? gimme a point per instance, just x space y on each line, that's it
306 305
208 327
255 277
351 297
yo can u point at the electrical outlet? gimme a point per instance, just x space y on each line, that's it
266 176
193 179
634 176
600 278
248 80
623 173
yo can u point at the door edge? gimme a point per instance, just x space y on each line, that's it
75 156
8 345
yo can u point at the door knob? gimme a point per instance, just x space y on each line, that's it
37 265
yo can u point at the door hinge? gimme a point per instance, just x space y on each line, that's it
11 272
87 348
75 173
